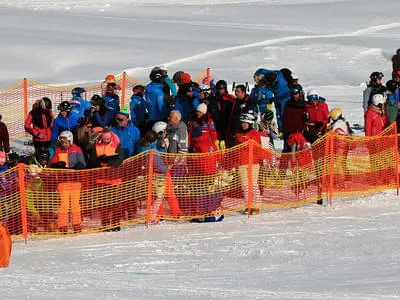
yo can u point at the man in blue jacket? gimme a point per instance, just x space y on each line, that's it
158 107
277 84
127 133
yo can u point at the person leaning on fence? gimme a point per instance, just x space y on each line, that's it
4 137
316 116
339 126
40 203
68 155
109 154
39 123
156 139
245 133
375 122
375 118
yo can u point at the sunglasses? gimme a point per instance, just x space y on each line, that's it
119 119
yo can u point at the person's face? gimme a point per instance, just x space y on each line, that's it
122 121
106 138
173 119
64 143
199 114
64 113
221 90
239 93
245 125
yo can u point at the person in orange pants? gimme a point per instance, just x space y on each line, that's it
68 155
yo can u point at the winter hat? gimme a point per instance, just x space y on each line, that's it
185 78
202 108
124 112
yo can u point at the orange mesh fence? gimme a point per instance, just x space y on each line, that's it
17 100
153 186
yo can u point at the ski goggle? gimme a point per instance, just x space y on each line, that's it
295 91
312 97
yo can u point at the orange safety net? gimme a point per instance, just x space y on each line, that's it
153 186
17 100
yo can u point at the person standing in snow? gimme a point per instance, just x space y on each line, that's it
374 86
39 123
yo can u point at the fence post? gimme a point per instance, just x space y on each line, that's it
123 89
250 177
149 187
331 140
396 157
21 180
25 97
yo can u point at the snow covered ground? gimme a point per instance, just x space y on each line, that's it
349 251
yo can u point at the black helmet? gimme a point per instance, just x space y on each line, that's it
97 100
77 92
268 115
156 74
391 86
64 106
42 153
296 89
47 102
376 75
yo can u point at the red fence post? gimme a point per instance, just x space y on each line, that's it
123 89
149 187
250 176
331 139
21 179
25 98
396 157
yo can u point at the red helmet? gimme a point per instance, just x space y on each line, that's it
110 78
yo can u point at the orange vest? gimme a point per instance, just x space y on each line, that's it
108 149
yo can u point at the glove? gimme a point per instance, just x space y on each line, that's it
319 124
79 166
102 158
59 165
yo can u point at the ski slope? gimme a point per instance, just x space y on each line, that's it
348 251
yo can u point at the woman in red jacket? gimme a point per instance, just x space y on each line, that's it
375 118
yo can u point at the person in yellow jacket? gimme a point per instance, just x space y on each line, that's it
68 155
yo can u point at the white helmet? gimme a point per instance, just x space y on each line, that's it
378 99
312 95
247 118
68 135
159 126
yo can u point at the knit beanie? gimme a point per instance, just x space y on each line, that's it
202 108
124 112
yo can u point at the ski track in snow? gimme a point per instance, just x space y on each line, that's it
207 54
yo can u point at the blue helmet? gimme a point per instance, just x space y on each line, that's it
78 91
